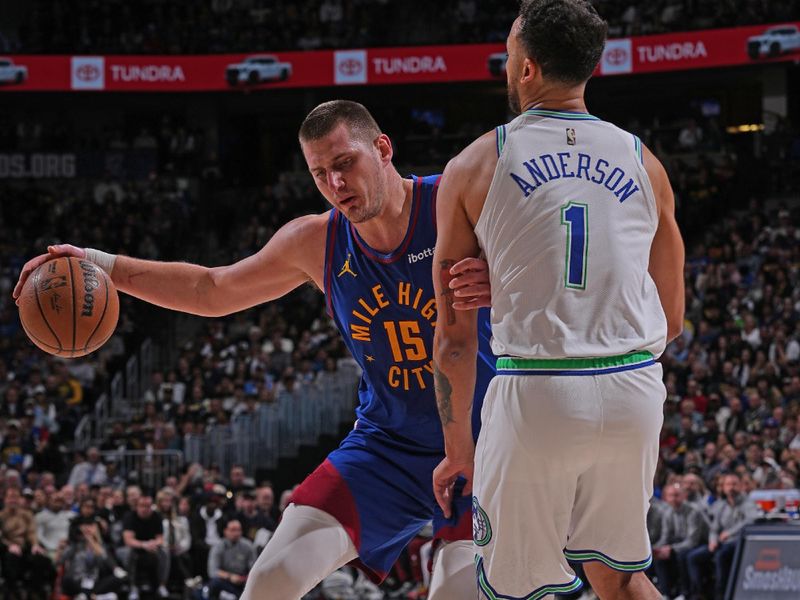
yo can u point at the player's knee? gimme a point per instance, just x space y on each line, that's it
273 579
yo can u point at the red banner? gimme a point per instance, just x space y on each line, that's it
701 49
376 66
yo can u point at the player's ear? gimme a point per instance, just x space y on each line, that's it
529 71
384 146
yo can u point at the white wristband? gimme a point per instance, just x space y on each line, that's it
104 260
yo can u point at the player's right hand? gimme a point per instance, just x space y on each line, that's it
471 284
444 481
56 251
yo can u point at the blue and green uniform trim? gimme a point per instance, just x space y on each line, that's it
509 365
637 146
618 565
541 592
561 114
500 135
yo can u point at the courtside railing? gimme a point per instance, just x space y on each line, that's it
148 468
276 430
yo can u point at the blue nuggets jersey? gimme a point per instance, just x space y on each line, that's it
377 483
385 307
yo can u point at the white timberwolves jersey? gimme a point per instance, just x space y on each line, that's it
567 228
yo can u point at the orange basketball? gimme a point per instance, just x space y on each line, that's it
69 307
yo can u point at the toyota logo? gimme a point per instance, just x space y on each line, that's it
87 72
350 67
616 56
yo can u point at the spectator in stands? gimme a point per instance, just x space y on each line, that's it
12 407
132 495
697 493
14 447
52 523
683 528
237 479
143 533
207 527
90 471
23 560
89 567
87 510
729 514
252 520
265 503
177 537
229 562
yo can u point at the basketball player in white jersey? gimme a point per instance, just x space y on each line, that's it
576 219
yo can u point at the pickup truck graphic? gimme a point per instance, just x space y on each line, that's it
257 69
11 73
775 41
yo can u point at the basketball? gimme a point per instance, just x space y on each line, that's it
69 307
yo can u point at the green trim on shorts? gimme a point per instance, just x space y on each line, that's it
590 555
491 594
573 364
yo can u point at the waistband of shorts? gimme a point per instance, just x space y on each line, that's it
601 365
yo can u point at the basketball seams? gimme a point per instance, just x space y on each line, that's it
44 294
102 316
74 307
39 341
35 282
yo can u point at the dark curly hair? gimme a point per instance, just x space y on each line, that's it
564 37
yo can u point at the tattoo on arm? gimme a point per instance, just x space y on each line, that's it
448 295
443 392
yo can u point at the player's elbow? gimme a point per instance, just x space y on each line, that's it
674 328
675 316
211 299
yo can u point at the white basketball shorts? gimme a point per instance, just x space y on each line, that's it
564 469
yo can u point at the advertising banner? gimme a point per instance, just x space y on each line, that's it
767 564
380 66
120 164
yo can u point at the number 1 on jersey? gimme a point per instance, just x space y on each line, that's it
575 216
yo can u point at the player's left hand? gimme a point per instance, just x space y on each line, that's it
471 284
444 480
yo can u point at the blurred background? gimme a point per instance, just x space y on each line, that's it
167 130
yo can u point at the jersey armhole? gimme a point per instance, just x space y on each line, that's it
637 147
434 193
500 133
333 226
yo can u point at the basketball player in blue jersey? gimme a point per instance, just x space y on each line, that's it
371 255
576 220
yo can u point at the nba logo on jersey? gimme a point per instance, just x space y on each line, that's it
570 136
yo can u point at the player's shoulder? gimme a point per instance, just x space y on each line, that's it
477 160
308 226
302 233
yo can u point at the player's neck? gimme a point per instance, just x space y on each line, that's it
568 99
386 232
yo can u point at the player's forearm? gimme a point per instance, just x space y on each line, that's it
177 286
454 372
